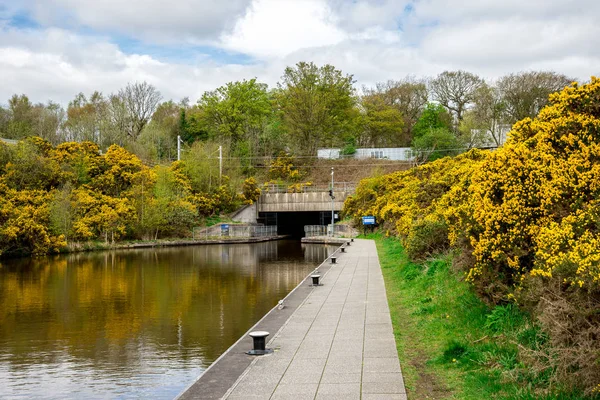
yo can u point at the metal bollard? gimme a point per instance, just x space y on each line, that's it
333 259
315 279
260 341
343 249
347 243
352 240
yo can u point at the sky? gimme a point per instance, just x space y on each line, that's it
54 49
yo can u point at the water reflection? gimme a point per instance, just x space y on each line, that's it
136 323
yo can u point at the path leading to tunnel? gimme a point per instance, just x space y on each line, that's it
338 344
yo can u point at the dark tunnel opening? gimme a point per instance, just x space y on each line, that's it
292 223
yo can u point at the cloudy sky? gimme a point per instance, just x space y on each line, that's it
53 49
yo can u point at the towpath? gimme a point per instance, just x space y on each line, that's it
338 344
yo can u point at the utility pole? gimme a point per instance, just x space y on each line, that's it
332 198
178 148
220 163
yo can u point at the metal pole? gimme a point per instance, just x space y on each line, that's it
220 163
332 198
178 148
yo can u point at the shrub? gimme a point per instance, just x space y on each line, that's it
426 238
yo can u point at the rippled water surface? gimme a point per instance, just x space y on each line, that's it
136 323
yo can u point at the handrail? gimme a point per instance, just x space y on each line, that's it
337 187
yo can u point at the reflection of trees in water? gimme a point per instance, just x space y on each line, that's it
109 307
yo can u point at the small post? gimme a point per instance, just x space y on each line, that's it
178 148
343 249
347 243
315 279
259 341
333 259
352 239
220 163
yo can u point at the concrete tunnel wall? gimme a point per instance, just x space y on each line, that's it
300 202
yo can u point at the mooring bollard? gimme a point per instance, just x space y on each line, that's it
260 341
352 240
315 279
333 259
347 243
343 249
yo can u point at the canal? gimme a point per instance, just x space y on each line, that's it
135 323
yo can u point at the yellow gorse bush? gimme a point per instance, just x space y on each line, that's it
529 209
535 200
524 220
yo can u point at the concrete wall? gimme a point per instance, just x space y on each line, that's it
299 202
246 214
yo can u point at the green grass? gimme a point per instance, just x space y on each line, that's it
453 346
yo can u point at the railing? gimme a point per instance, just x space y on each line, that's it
337 187
234 231
323 230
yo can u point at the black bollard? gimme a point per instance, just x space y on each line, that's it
347 243
352 240
260 342
315 279
343 249
333 259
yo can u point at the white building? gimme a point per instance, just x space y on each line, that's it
388 153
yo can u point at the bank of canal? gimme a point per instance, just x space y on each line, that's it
138 323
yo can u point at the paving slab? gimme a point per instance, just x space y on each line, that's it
337 344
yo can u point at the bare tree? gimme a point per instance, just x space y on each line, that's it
141 100
526 93
455 90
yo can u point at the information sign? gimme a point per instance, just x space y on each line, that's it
368 220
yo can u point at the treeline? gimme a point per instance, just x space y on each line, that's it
522 223
51 196
310 107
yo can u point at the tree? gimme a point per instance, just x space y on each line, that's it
434 116
317 105
237 113
20 124
486 123
455 90
434 144
85 118
140 101
382 124
409 96
526 93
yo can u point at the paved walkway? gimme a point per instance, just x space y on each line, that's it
337 345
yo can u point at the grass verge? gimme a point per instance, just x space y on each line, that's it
451 345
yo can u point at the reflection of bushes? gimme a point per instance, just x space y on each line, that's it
525 220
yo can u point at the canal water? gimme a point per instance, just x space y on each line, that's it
135 323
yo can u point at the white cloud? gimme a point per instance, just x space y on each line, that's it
161 21
362 38
274 28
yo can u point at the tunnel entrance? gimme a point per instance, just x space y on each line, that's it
292 223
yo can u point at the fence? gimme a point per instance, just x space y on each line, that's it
234 231
322 230
337 187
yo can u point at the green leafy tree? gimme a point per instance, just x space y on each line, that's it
434 116
236 114
409 96
382 124
317 105
434 144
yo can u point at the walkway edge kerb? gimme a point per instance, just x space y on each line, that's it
217 390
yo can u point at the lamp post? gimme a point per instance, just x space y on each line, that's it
332 198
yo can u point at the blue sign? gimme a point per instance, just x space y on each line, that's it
225 230
368 220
